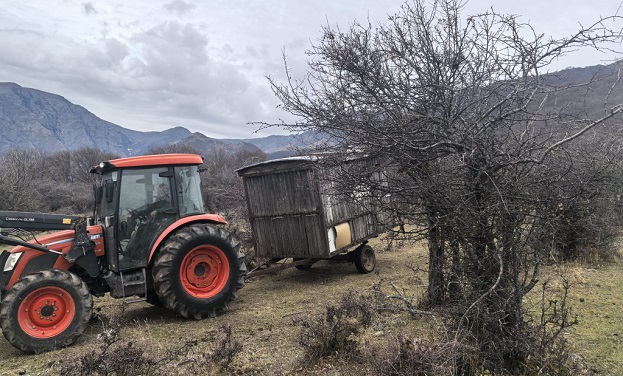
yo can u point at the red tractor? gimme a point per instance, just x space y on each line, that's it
149 239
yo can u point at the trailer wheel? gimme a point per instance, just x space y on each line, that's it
198 270
46 310
302 266
365 259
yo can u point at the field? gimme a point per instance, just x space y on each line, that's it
266 319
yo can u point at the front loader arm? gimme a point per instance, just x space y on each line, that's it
16 242
75 247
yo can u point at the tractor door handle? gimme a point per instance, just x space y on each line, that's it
123 226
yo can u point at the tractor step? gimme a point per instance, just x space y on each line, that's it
129 286
132 282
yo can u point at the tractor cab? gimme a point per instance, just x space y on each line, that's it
139 198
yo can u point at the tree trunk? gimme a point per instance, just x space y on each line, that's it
436 250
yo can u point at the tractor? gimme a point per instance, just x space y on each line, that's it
149 240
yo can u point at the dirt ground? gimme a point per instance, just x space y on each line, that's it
263 318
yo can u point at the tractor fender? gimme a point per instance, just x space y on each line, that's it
33 261
210 218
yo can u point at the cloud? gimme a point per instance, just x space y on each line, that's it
168 73
201 64
141 65
89 8
178 70
179 7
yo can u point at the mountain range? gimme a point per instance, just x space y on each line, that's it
31 118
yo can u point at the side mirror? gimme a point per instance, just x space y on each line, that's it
109 188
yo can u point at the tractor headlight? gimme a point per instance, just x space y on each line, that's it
12 261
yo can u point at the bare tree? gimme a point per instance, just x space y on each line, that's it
20 171
38 181
462 115
221 185
83 159
59 166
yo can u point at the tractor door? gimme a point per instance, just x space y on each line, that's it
106 200
146 208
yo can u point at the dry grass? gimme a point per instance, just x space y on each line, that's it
596 295
266 320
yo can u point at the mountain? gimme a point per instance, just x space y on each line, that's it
604 92
280 146
199 141
35 119
31 118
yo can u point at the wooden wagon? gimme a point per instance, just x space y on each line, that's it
296 211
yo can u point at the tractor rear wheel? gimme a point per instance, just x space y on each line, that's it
46 310
153 299
198 270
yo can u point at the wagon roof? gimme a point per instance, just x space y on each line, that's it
278 165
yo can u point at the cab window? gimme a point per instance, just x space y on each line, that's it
189 190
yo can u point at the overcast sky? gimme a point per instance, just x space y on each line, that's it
201 64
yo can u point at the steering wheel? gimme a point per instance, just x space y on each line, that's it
143 211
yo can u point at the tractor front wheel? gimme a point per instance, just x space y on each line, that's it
198 270
46 310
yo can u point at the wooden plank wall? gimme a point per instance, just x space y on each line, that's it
285 212
291 192
290 236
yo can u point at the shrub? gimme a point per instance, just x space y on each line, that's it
335 330
404 356
115 356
